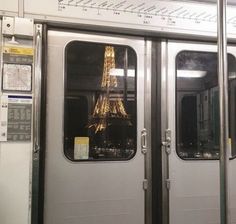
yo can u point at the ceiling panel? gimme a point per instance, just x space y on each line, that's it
231 2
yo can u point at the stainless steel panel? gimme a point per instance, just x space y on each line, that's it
36 124
89 192
147 114
223 102
37 87
194 190
164 127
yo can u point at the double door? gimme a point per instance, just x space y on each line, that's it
97 105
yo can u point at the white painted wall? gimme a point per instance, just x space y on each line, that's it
15 171
9 5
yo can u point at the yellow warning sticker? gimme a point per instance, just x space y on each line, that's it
18 50
81 148
81 140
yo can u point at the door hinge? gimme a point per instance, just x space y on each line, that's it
145 184
167 142
168 184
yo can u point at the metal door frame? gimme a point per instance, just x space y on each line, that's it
164 127
39 129
39 157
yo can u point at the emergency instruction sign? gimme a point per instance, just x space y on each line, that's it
18 118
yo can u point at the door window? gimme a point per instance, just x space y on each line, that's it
100 102
197 105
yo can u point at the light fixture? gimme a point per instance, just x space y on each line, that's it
232 75
121 72
191 73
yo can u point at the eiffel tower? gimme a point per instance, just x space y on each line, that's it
106 109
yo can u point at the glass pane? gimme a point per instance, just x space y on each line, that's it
198 105
100 102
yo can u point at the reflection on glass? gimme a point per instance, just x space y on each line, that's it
106 107
198 105
100 102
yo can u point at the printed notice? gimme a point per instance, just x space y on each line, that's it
19 118
17 77
81 148
3 118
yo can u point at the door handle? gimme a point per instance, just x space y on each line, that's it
167 142
144 141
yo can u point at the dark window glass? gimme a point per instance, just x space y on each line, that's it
100 102
198 105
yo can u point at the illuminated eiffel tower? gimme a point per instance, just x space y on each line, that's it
106 109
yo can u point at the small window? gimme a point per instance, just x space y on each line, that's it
197 105
100 119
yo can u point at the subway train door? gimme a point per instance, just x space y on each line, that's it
94 167
193 130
